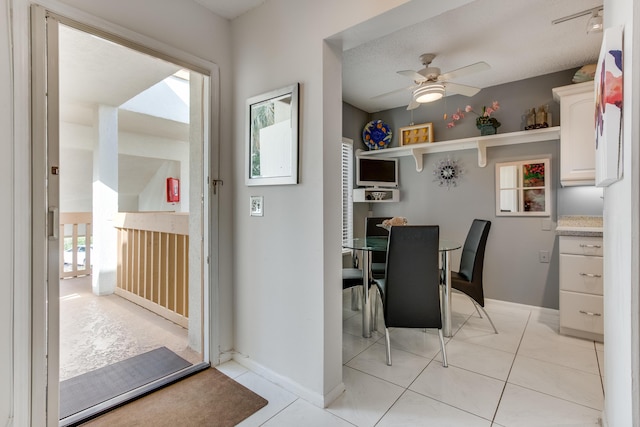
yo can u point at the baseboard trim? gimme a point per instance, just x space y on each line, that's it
540 311
289 385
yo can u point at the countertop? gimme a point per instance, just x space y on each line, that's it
579 225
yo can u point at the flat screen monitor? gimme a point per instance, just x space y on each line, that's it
376 172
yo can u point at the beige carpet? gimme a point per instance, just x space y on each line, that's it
208 398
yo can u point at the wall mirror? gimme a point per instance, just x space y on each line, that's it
523 188
272 137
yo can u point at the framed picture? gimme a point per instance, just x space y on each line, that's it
609 112
416 134
523 188
272 137
255 205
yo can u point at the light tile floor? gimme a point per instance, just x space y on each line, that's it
527 375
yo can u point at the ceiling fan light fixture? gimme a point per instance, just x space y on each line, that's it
428 93
594 24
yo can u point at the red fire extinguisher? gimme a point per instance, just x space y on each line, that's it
173 190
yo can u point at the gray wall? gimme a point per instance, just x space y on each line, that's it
512 268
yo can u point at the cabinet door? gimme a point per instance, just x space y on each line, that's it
580 245
582 312
580 273
577 140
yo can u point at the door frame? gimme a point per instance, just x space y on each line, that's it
44 292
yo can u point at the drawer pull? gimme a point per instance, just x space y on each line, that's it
582 245
588 313
590 275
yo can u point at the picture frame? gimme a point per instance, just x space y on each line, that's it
256 205
609 108
272 137
523 188
416 134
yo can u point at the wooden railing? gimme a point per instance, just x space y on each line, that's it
75 261
153 262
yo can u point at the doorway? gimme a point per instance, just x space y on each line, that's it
121 123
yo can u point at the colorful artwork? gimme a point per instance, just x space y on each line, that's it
533 175
608 112
377 135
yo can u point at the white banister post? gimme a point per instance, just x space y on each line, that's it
105 199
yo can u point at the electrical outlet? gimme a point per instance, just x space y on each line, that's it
543 256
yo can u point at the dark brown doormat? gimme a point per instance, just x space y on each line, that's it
208 398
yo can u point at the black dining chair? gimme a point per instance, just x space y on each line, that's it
378 258
468 279
410 291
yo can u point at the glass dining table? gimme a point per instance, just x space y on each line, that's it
370 244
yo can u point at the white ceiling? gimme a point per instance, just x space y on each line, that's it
230 9
515 37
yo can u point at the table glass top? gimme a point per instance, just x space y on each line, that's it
379 243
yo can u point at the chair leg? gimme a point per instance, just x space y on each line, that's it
445 364
475 305
374 296
387 340
489 318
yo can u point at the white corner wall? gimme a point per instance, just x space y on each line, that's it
622 250
287 263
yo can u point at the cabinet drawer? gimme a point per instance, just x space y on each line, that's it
580 273
582 312
581 245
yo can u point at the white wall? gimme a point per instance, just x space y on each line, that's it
287 263
76 165
160 24
6 224
621 225
153 197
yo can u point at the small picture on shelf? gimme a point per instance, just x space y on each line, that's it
416 134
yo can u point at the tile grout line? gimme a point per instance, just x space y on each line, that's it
506 381
595 347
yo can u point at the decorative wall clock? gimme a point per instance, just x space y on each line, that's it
447 172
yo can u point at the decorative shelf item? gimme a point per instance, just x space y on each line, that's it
479 143
416 134
377 135
447 172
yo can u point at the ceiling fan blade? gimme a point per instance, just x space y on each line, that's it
393 92
412 105
464 71
456 88
413 75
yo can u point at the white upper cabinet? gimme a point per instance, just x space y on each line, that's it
577 133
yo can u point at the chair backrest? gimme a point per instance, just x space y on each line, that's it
412 295
472 259
371 229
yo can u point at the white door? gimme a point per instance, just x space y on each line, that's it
47 203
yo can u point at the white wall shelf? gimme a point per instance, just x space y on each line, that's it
479 143
364 195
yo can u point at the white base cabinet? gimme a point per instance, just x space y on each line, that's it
577 134
581 287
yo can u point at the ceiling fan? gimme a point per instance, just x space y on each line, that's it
431 85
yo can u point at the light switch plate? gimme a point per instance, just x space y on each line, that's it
256 206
